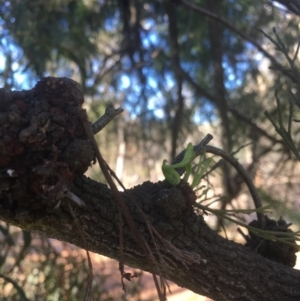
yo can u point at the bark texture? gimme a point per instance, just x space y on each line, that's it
44 151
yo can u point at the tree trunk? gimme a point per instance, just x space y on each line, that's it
44 152
178 109
216 44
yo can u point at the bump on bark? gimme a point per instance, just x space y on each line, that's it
43 143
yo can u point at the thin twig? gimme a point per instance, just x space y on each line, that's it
202 147
109 115
119 199
117 195
168 245
151 230
242 34
240 169
88 291
199 149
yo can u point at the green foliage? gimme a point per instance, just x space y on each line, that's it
120 51
292 72
54 31
169 171
200 171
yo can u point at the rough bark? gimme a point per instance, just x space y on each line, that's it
39 162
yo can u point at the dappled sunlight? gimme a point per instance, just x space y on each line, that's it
136 87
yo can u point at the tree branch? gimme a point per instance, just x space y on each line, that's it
209 264
44 147
233 28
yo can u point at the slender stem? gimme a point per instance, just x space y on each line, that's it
243 174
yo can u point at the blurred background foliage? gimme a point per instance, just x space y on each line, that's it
180 69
